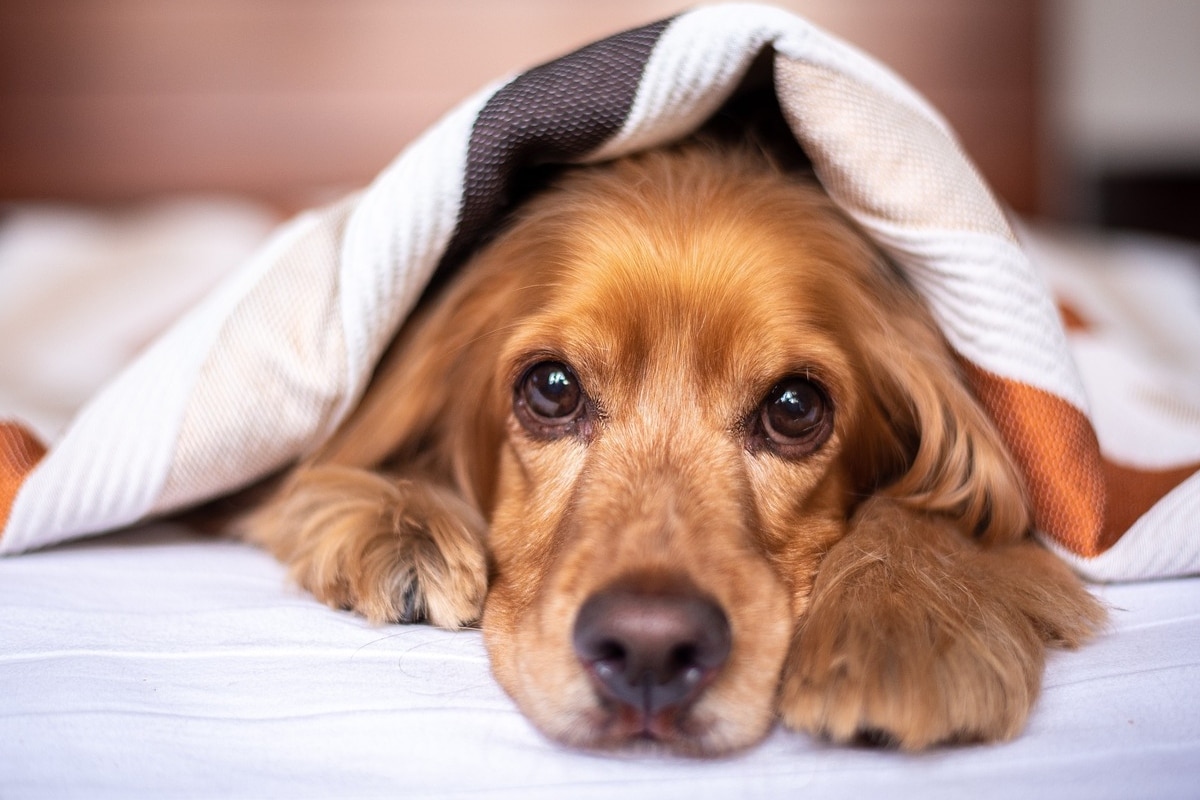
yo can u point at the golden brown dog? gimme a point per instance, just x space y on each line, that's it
698 458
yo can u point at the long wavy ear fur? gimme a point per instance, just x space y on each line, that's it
433 407
939 451
390 516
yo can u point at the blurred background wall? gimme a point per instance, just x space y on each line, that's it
290 100
111 99
1122 112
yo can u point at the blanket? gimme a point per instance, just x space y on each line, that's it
265 367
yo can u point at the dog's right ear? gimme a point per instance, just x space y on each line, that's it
433 405
930 444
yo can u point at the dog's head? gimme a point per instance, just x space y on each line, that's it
668 385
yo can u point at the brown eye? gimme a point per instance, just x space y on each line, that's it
549 398
796 417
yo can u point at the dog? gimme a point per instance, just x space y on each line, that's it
696 458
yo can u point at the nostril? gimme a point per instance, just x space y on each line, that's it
651 649
607 659
683 656
609 650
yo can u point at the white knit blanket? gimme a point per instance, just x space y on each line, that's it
268 364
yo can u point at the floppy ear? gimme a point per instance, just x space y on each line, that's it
433 405
389 517
941 453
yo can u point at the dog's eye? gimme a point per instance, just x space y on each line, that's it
549 393
796 417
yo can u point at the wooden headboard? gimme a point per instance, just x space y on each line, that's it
123 99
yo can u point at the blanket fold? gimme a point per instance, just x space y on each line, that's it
265 368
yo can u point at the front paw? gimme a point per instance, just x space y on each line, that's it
916 636
393 550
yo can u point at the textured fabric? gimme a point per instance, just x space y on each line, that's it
161 664
1131 303
265 368
289 310
19 453
560 111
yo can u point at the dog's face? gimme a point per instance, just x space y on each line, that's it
673 463
685 357
668 388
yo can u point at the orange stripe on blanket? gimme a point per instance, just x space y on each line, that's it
1133 491
1056 448
1071 318
1083 501
20 451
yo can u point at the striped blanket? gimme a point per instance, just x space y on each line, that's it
268 364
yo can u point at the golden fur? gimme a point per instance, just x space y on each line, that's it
877 583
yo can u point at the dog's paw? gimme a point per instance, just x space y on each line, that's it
881 672
393 550
916 636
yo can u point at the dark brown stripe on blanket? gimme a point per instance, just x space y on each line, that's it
20 451
554 113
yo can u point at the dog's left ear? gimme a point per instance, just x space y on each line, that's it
929 443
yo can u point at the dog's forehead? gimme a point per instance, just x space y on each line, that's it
718 300
706 241
707 263
705 289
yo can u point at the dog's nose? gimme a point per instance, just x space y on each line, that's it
651 650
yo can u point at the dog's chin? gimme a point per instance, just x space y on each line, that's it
582 717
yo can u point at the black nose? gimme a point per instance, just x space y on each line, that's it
651 650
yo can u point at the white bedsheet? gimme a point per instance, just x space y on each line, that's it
161 663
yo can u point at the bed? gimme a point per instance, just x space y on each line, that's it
160 661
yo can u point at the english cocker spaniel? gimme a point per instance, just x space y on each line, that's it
696 458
